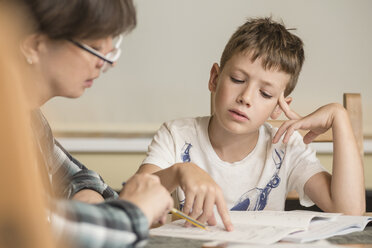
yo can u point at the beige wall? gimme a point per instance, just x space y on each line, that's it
165 64
166 60
117 167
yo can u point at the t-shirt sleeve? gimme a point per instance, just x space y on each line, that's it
303 165
161 151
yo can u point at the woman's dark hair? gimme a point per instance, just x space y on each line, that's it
82 19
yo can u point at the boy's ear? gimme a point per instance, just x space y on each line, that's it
213 78
30 47
278 110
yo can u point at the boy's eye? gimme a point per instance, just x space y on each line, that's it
236 80
266 95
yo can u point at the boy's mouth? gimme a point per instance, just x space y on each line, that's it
238 113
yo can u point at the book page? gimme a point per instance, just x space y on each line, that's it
256 227
318 244
324 229
297 218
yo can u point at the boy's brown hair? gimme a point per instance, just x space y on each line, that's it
273 43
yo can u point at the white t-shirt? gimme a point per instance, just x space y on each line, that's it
259 181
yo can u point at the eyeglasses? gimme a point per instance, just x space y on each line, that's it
110 58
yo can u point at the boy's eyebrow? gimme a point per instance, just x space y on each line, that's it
267 83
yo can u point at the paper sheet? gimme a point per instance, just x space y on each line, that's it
318 244
261 227
285 245
323 229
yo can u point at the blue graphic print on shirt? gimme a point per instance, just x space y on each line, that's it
256 199
185 152
185 157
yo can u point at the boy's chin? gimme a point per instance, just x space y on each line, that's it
232 127
238 129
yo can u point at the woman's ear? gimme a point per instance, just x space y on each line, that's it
278 110
213 78
30 47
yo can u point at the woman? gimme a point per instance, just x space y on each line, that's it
71 43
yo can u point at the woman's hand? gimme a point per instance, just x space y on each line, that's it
145 191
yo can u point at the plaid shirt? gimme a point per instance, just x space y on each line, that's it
113 223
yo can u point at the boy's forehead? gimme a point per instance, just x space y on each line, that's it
239 59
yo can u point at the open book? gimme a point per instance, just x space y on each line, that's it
268 227
322 229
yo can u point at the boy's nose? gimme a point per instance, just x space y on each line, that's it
245 97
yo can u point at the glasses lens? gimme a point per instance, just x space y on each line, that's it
106 66
114 54
117 41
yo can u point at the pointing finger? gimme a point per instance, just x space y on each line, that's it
225 217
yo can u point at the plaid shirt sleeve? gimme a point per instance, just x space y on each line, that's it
114 223
67 175
70 176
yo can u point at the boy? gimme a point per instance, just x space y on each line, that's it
234 155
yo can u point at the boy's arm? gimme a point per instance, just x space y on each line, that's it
343 191
167 176
201 192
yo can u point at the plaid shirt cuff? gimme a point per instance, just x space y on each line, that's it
111 224
140 223
87 179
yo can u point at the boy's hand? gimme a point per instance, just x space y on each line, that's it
145 191
317 122
202 193
88 196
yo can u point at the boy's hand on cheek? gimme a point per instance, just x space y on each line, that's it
202 193
317 122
